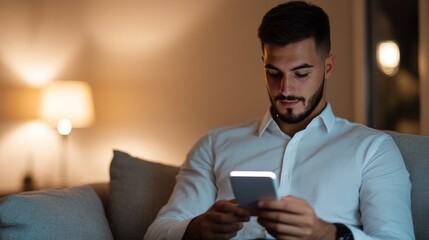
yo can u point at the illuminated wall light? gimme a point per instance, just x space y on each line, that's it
388 57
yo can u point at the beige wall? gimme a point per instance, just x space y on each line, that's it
163 73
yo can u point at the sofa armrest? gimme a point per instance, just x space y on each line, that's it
415 151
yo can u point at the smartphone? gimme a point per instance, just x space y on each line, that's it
249 187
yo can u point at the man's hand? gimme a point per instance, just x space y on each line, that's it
293 218
222 221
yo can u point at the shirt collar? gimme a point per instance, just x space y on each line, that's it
326 117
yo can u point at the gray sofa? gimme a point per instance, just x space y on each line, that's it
124 207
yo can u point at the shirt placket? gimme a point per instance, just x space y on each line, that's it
288 162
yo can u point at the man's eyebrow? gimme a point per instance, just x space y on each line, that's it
272 67
304 65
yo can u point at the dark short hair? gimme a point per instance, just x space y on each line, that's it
295 21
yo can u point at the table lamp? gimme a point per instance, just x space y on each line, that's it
68 105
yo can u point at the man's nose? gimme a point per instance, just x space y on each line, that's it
287 85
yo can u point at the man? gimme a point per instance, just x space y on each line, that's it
339 180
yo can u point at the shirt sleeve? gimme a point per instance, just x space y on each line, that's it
385 195
193 194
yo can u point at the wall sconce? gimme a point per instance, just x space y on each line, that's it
67 104
388 57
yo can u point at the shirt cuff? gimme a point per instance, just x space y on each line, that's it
358 233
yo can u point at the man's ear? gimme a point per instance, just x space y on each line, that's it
263 53
329 65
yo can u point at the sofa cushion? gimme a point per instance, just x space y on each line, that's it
138 189
68 213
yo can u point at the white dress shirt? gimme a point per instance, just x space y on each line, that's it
347 172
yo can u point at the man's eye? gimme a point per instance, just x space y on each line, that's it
273 74
299 75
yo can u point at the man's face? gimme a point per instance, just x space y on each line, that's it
295 77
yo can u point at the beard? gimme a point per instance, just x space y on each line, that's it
290 117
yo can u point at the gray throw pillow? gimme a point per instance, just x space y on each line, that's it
138 189
66 213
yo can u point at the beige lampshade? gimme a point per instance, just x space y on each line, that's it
70 100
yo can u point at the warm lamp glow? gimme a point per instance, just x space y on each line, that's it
67 104
64 126
39 41
38 62
388 57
